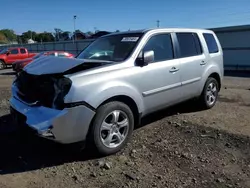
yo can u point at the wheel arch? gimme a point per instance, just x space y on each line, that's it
2 60
216 76
212 71
129 102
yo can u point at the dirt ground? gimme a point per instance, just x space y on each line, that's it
177 147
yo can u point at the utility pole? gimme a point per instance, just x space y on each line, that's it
158 23
74 33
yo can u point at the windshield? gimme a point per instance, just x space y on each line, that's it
3 51
111 48
38 55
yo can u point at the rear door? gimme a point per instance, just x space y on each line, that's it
192 63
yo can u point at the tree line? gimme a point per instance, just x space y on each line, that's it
8 36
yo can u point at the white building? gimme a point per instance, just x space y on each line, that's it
30 41
235 41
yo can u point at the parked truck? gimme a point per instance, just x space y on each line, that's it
11 55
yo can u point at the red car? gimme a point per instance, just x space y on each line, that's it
10 55
19 65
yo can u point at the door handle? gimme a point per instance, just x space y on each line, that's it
203 63
173 69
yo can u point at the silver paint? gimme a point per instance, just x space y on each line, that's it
152 87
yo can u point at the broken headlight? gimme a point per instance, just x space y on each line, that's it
61 87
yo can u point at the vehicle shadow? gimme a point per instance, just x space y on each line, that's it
22 151
8 73
185 107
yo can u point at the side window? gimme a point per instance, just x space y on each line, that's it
189 44
162 46
14 51
22 51
211 43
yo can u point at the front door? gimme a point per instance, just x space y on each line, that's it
159 82
13 56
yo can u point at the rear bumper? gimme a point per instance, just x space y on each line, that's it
64 126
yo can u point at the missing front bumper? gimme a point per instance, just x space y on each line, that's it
64 126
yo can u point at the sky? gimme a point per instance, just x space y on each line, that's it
45 15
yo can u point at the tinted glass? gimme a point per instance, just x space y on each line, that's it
111 48
162 47
4 51
188 44
14 51
38 55
22 51
211 43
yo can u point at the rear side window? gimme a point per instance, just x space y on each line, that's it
162 46
189 44
22 51
211 43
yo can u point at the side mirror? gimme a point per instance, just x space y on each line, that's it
8 53
144 58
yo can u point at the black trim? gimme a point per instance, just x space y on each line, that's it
231 31
139 119
236 48
80 103
176 46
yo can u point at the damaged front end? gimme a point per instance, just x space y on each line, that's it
40 100
44 90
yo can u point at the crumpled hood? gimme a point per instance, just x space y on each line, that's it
51 65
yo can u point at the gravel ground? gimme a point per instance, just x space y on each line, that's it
177 147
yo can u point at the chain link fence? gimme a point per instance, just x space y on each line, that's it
68 46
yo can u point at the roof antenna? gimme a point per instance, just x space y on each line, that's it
158 23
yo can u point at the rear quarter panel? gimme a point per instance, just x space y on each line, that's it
214 60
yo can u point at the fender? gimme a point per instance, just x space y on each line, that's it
111 89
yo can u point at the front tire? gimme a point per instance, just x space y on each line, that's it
112 127
209 94
2 65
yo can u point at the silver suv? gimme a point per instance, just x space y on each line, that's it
102 94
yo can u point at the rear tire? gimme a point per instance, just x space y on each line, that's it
209 94
112 127
2 65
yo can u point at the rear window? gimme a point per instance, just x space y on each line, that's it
211 43
189 44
